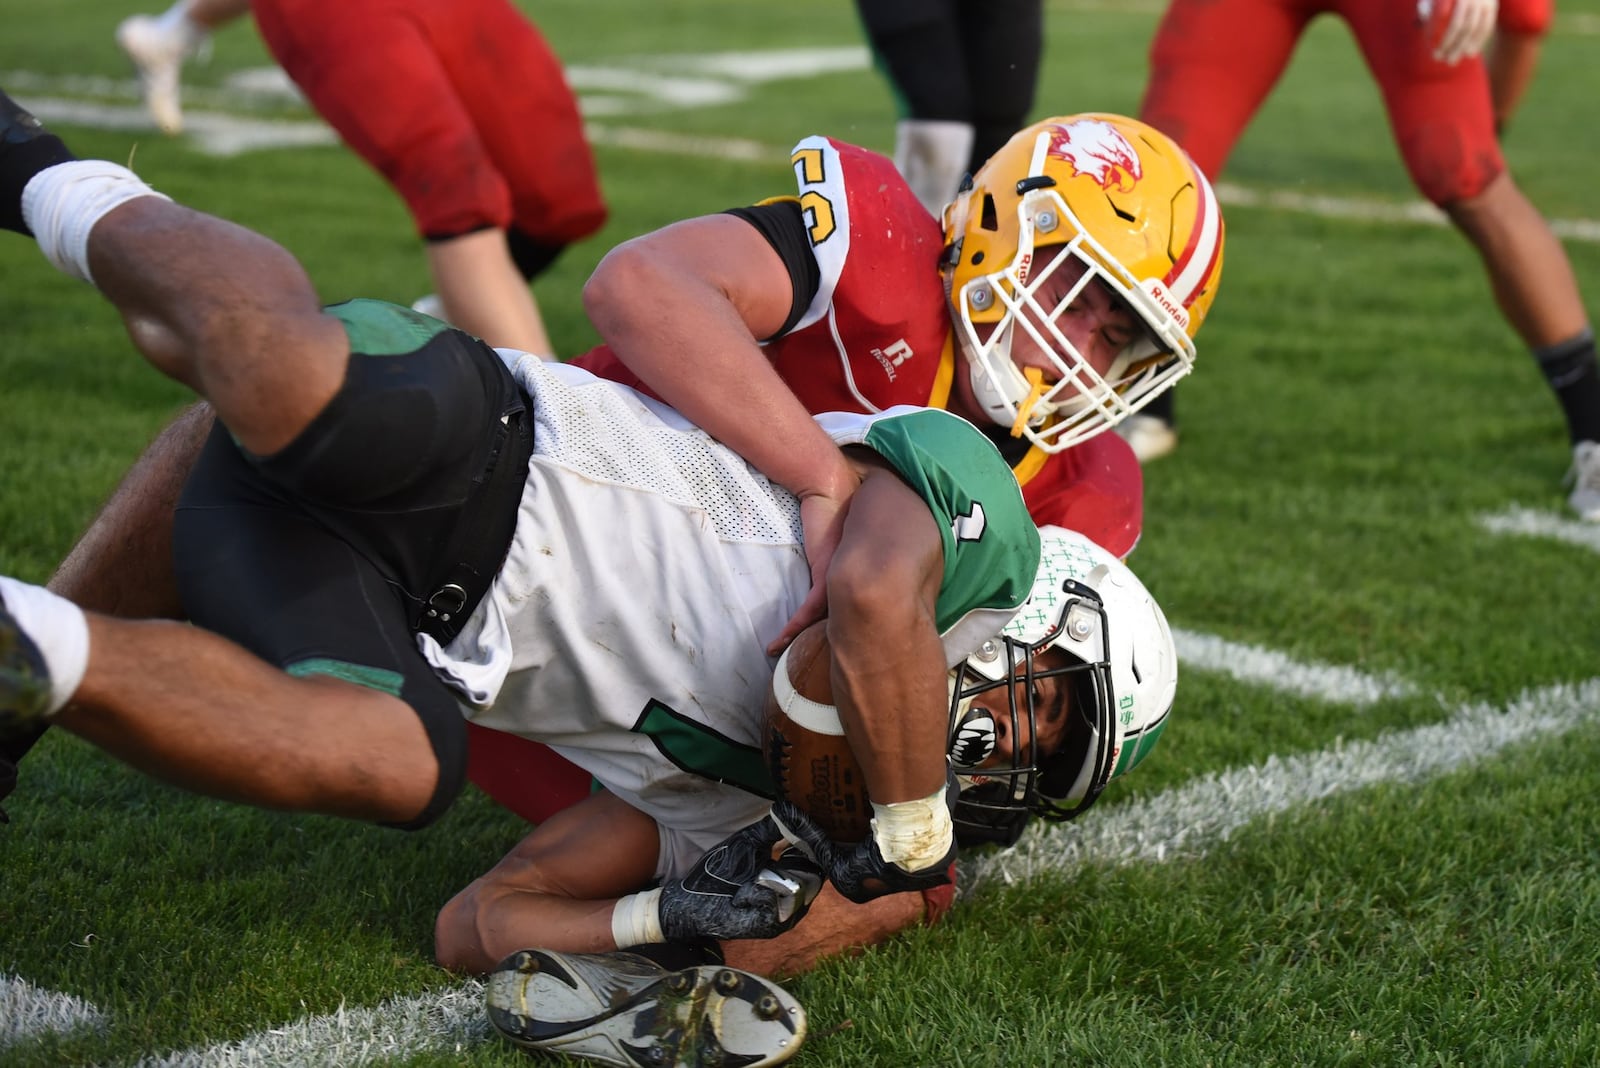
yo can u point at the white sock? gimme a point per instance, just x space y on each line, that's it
61 204
58 628
175 20
931 154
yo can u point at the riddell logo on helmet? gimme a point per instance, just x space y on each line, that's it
1169 303
1098 150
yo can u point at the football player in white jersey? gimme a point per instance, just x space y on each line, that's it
391 520
390 517
1070 695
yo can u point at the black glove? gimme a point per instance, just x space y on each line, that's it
859 872
738 891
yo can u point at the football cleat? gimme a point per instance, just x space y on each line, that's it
26 148
1585 478
157 54
622 1009
17 123
25 692
1149 436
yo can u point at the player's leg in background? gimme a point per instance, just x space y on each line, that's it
373 71
1212 65
512 85
159 45
480 290
1444 125
1513 58
1513 55
1004 44
917 44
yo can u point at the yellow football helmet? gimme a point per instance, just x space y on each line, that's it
1123 200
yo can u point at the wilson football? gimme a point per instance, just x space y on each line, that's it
807 752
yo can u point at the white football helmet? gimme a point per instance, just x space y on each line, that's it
1122 672
1120 201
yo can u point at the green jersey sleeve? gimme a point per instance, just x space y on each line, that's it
991 545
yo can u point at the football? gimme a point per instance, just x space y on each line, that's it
807 752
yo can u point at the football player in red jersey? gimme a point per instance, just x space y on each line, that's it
1213 63
1089 248
1078 266
461 106
1061 294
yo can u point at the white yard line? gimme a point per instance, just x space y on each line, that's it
1189 820
1527 523
218 133
644 85
443 1021
27 1012
1276 671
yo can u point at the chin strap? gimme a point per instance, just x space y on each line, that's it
1036 389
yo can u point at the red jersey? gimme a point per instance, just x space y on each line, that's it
878 333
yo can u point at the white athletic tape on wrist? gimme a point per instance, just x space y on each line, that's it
636 919
61 204
58 628
914 834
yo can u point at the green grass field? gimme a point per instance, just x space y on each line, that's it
1370 836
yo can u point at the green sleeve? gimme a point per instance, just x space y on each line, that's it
991 546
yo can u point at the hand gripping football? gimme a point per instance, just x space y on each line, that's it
807 752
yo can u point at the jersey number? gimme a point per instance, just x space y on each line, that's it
818 208
970 527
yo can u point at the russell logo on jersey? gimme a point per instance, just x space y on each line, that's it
893 356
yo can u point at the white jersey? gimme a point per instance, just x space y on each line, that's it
649 569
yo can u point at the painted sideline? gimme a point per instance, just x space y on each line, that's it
447 1020
1273 670
1187 821
717 79
1527 523
26 1012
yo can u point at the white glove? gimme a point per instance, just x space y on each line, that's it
1467 31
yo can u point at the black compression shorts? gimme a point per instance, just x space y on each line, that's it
317 558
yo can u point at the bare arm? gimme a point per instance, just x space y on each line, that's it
832 926
683 308
888 662
557 888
